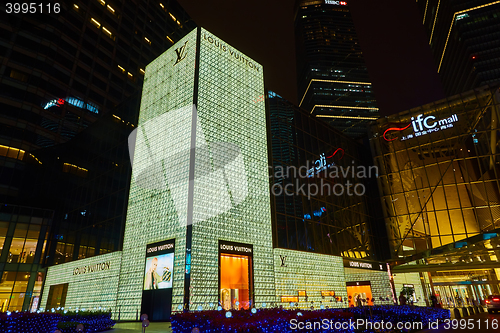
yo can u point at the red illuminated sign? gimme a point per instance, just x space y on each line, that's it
394 129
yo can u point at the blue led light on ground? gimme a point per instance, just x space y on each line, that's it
278 320
66 322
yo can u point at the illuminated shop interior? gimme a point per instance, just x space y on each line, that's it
361 290
235 288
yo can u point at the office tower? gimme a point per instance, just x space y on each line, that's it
440 193
61 72
464 37
333 82
325 223
89 178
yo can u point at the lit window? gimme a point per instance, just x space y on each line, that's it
142 71
94 21
288 299
130 75
170 40
75 170
110 9
102 2
11 152
33 157
107 32
173 17
121 68
18 75
161 5
75 7
147 40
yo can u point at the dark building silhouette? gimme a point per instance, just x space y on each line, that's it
333 81
64 166
464 36
86 181
305 154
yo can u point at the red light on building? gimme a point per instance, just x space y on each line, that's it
473 57
343 3
60 101
394 129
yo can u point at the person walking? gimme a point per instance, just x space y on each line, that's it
402 299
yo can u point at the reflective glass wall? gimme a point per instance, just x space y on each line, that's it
314 207
439 167
23 238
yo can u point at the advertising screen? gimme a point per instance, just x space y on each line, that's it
158 272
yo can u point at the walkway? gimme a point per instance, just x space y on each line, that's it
136 327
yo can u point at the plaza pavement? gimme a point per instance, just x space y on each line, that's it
135 327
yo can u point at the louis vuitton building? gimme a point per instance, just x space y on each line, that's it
199 232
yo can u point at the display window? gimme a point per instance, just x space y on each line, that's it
158 279
359 294
235 277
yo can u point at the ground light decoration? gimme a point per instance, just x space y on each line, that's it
277 320
56 320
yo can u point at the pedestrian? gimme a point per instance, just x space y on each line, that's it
434 301
402 299
358 301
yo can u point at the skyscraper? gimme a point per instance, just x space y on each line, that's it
464 36
333 81
327 223
61 72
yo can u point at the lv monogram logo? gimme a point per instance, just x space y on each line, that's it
181 53
283 258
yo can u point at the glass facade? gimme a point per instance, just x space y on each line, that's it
439 171
439 167
87 180
23 239
329 221
333 81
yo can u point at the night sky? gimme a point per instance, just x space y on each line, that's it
390 32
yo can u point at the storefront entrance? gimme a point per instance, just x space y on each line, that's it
359 293
451 295
235 275
57 296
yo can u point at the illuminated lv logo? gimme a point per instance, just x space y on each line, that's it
181 53
283 258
